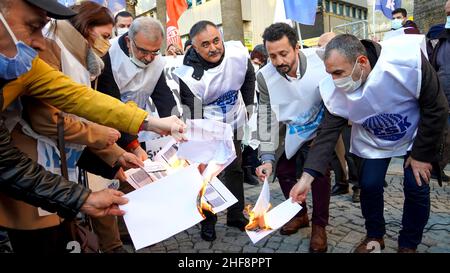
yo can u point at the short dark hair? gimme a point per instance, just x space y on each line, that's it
277 31
199 27
187 43
348 45
400 10
123 14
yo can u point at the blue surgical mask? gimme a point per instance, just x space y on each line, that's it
447 25
12 68
397 23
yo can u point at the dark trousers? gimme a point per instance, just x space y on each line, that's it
416 207
287 172
233 178
352 160
52 240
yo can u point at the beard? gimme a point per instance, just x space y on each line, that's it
284 68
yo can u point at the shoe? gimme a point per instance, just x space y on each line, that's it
339 189
356 195
208 231
295 224
239 223
406 250
249 178
368 245
318 242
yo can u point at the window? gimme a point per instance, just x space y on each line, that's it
347 11
334 4
198 2
327 6
189 2
341 9
365 15
359 13
354 12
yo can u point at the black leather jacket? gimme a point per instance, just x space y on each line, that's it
24 179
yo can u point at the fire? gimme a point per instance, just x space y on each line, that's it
202 205
256 222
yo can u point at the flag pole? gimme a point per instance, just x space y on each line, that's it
299 34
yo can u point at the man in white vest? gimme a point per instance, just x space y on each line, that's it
217 81
134 71
289 113
392 96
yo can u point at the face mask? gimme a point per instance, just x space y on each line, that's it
12 68
101 46
397 23
447 25
136 61
122 31
347 84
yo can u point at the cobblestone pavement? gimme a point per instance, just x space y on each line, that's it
345 231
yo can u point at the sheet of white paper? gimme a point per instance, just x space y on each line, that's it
208 141
218 196
151 172
263 202
164 208
275 219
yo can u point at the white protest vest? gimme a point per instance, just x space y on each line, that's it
49 156
297 103
135 83
385 110
219 88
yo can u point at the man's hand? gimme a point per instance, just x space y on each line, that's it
121 176
130 161
140 153
300 190
167 126
420 169
264 171
112 136
103 203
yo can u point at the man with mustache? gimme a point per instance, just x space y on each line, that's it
290 109
217 81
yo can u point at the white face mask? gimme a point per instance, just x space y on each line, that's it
347 84
135 60
122 31
397 23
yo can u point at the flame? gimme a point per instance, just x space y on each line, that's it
255 222
202 205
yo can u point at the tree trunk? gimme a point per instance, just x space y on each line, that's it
232 24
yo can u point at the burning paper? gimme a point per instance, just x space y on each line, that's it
163 208
263 220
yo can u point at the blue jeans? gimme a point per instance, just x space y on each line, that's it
416 207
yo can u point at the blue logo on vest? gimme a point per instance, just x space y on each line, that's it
226 100
390 127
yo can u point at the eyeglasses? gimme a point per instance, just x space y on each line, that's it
146 52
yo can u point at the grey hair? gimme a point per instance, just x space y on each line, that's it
347 45
151 28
